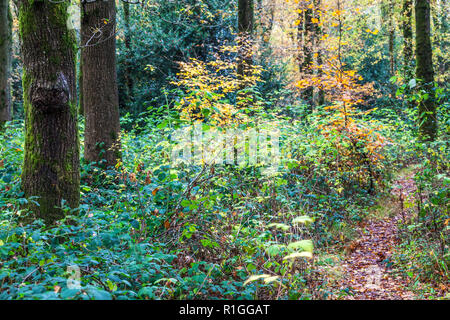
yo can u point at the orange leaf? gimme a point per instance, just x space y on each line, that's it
167 224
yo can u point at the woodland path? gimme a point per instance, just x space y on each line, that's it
366 275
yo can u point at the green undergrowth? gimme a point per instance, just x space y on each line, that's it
149 229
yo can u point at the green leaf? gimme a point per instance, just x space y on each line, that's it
98 294
147 292
274 250
163 124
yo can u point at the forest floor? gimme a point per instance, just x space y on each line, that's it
365 271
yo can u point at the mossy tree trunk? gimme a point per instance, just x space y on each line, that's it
100 93
5 62
428 125
51 160
407 39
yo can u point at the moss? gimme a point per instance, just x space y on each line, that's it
44 175
27 22
424 71
73 109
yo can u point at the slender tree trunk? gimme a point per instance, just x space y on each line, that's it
245 16
407 39
51 164
80 86
300 34
444 64
439 13
266 24
387 15
5 62
428 125
308 36
245 30
318 34
391 32
128 74
100 94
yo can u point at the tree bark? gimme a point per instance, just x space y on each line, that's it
424 71
5 62
80 87
318 34
51 160
266 17
305 68
128 74
391 32
100 93
245 30
407 39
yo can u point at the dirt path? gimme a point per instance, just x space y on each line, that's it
366 267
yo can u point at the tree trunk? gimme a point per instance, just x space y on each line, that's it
100 93
318 34
245 30
391 32
407 40
51 164
424 71
80 87
439 13
265 14
5 62
128 74
308 36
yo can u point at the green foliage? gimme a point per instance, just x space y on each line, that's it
162 34
150 230
425 248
